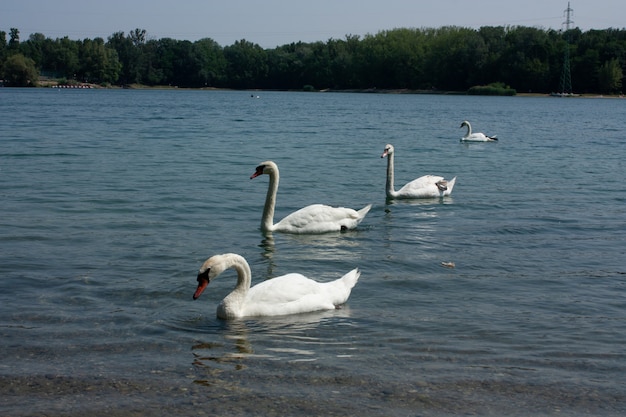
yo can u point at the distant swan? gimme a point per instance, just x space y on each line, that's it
475 137
288 294
427 186
316 218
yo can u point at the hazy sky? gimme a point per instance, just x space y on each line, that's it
270 23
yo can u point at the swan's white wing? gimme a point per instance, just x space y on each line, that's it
319 218
283 289
287 294
478 137
425 186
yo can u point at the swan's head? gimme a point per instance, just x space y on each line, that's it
464 123
388 150
210 269
267 167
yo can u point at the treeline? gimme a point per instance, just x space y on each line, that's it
525 59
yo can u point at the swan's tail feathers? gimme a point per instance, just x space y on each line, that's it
364 211
342 287
350 279
450 186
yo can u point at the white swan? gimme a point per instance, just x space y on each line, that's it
475 137
316 218
427 186
287 294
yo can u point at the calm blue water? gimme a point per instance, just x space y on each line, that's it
111 200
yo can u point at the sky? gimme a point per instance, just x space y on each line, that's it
271 23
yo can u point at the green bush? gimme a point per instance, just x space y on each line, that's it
20 71
493 89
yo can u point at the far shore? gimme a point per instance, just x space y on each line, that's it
47 83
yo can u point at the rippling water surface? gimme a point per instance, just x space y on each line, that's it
111 200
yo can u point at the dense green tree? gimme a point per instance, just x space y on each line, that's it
285 69
247 64
20 71
526 59
34 47
98 63
585 67
495 42
610 77
317 65
129 51
3 50
14 41
68 57
454 57
210 63
184 68
316 70
340 55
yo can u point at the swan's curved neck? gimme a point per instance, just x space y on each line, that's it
389 186
244 274
233 302
469 129
267 221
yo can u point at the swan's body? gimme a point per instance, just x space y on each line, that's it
475 137
316 218
427 186
287 294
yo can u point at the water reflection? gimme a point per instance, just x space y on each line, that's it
417 222
478 145
319 250
268 250
332 239
418 201
228 353
236 344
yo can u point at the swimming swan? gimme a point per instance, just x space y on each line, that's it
475 137
287 294
316 218
427 186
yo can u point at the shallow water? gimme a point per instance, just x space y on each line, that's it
111 200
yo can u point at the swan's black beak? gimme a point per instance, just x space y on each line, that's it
203 282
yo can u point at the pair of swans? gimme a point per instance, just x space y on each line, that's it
319 218
475 137
288 294
294 293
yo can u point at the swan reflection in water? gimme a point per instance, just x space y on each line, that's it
413 222
342 247
221 356
234 345
418 202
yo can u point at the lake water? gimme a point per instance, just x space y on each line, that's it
112 199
